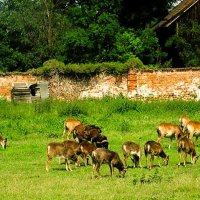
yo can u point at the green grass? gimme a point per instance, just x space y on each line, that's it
30 127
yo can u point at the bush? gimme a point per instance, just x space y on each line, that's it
54 66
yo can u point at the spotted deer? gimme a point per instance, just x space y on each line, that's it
134 150
153 148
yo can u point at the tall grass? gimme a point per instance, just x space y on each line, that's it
30 127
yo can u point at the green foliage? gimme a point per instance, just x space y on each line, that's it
32 32
52 66
73 109
186 44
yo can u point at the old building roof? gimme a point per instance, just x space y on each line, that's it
175 13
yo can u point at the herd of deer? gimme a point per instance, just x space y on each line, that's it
88 142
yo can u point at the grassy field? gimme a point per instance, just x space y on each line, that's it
30 127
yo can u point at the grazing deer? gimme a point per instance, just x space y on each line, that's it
153 148
87 149
169 130
134 150
193 127
59 150
102 155
70 124
86 132
186 145
3 142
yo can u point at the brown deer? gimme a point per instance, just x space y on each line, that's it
186 145
153 148
87 149
59 150
86 132
3 142
168 130
134 150
102 155
70 124
193 127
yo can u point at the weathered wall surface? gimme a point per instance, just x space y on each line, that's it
164 84
138 84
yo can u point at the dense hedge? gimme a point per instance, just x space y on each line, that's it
54 66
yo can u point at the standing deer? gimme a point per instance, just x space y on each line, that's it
58 149
186 145
169 130
70 124
153 148
193 127
134 150
3 142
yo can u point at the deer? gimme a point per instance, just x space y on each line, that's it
87 149
132 149
193 127
187 146
102 155
168 130
59 149
70 124
86 133
3 142
154 148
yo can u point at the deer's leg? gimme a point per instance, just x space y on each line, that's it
85 159
64 131
111 169
98 168
68 168
133 160
93 169
147 161
125 159
179 158
48 162
170 144
151 161
185 159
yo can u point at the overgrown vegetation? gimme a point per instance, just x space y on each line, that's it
33 32
54 66
186 44
30 127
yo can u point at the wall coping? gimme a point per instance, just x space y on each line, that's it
167 69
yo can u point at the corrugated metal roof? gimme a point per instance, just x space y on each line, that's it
175 13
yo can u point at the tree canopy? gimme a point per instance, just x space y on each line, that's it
78 31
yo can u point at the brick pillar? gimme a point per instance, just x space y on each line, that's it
132 80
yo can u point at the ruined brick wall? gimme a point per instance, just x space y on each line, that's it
138 84
164 84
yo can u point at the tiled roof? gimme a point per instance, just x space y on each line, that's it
175 13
